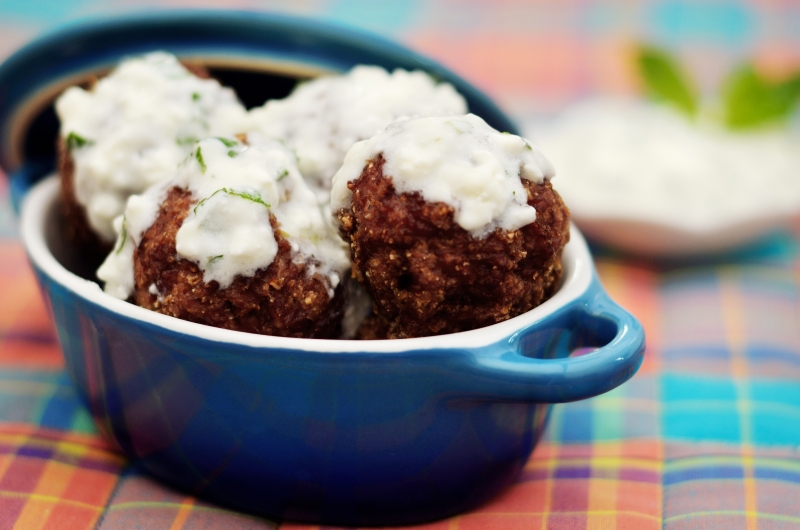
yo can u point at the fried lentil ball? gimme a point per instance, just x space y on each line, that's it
100 160
285 299
429 276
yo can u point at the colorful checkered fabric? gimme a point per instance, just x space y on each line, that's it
705 436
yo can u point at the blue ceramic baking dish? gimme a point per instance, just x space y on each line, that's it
340 432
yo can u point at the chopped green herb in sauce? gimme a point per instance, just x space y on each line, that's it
75 141
214 259
253 197
122 236
199 156
189 140
227 143
195 96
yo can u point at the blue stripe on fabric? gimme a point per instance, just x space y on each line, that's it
576 423
694 352
783 392
690 388
729 472
770 353
699 408
59 412
703 473
777 474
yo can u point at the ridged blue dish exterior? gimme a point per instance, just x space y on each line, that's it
352 438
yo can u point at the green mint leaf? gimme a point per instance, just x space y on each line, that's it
199 156
664 80
227 142
75 141
189 140
253 197
122 236
751 100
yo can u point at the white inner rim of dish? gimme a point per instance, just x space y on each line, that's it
43 197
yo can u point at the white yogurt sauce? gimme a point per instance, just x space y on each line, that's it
228 232
641 161
135 126
458 160
323 118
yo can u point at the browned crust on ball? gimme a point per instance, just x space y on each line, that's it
282 299
76 223
429 276
197 69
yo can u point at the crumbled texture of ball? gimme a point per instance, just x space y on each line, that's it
283 299
428 276
373 327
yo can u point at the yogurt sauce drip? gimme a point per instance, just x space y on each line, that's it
323 118
642 161
458 160
135 126
228 232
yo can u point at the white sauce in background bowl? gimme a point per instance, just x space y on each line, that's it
674 185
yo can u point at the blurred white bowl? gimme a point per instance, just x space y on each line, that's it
645 179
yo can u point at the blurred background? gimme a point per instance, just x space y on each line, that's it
706 435
531 55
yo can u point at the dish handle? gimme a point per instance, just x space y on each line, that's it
544 363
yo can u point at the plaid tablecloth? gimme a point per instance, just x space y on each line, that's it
706 435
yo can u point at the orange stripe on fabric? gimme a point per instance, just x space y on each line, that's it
603 492
736 335
42 512
183 513
552 461
35 514
69 517
91 486
23 314
18 432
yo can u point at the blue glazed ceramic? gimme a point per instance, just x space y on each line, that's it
340 432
